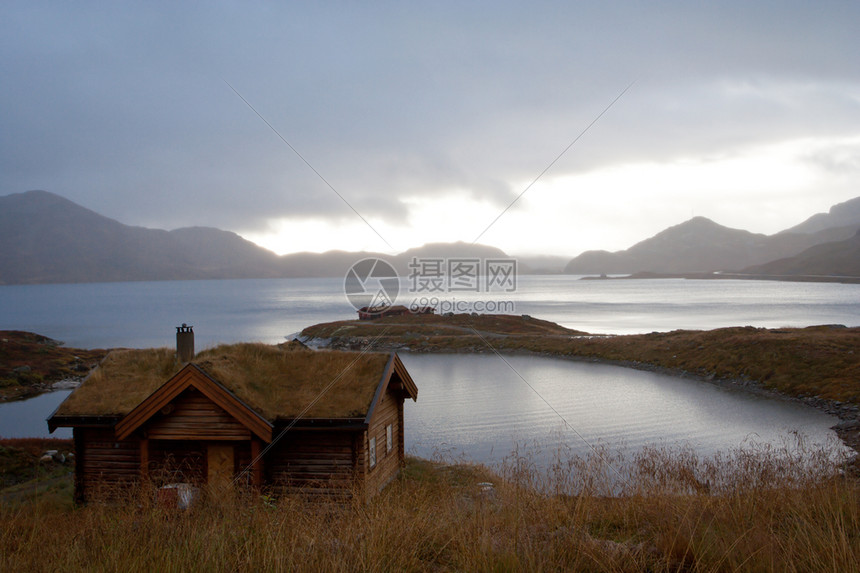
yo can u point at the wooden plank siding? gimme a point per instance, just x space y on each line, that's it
176 461
193 416
304 460
104 467
387 412
192 377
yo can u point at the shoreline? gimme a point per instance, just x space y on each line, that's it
511 336
847 428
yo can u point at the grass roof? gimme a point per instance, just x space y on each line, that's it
277 382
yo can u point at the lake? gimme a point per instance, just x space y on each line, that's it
480 407
143 314
26 418
474 405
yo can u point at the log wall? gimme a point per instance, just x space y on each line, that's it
388 462
193 416
177 461
104 467
307 460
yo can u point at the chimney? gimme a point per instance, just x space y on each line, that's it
184 343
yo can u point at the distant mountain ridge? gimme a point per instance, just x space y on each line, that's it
837 259
45 238
701 245
844 214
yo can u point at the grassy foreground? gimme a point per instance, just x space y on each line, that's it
759 511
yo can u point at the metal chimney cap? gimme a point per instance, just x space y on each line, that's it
184 328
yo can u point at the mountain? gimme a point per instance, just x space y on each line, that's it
328 264
45 238
845 214
839 259
336 263
697 245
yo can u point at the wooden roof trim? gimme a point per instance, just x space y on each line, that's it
380 387
193 376
408 383
76 421
233 405
394 365
160 398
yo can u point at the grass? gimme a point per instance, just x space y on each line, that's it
822 361
24 477
30 362
437 517
277 381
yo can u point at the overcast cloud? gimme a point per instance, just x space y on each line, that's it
430 118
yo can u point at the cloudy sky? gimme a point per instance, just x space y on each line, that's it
429 119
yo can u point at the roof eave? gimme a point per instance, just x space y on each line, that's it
101 421
321 423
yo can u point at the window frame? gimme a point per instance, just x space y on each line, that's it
389 438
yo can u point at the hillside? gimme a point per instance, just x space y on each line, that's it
45 238
839 258
701 245
840 215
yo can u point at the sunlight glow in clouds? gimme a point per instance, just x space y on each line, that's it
603 209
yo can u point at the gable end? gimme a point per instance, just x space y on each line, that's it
191 376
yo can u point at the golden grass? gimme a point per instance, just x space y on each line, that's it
438 518
276 381
28 362
818 360
123 380
280 384
438 325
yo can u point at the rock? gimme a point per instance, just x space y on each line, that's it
22 369
66 384
847 425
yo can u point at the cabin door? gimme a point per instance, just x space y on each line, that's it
220 466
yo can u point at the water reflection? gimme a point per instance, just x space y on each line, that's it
477 407
26 418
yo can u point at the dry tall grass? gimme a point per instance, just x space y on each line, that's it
441 518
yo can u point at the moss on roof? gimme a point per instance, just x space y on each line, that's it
276 382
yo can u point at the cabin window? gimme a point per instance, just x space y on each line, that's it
389 439
372 452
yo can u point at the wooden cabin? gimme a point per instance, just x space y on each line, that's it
282 418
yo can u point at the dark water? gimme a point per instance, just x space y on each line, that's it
26 418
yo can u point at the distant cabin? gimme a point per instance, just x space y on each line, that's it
279 418
369 313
